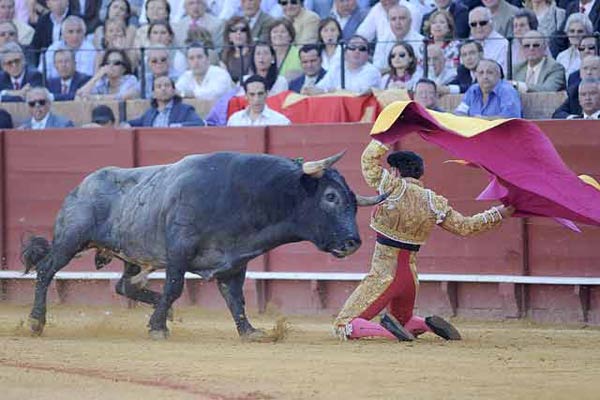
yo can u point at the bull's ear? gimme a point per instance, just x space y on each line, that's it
309 184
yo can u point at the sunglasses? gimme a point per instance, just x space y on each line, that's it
34 103
238 29
480 23
358 48
15 61
158 60
9 33
401 55
584 48
285 3
115 62
580 31
532 45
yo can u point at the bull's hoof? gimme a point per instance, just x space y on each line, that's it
36 326
159 335
256 336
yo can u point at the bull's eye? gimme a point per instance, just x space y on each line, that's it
331 197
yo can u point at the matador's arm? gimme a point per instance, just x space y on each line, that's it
458 224
375 175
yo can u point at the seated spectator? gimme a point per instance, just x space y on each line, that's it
570 108
68 81
459 13
589 99
439 71
47 29
235 56
258 20
589 8
7 13
523 22
305 22
311 66
197 17
16 77
403 66
160 33
550 18
470 54
262 62
349 15
102 117
577 26
8 32
157 65
202 80
39 100
440 28
115 37
117 10
426 94
330 35
282 36
400 31
73 37
166 108
359 75
156 11
494 45
491 97
587 47
257 113
540 73
113 80
502 14
6 121
376 25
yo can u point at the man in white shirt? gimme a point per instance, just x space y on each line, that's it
494 45
257 113
400 23
359 75
202 80
376 24
73 37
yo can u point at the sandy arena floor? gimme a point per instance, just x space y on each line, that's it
105 353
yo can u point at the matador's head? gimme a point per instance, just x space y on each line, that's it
408 163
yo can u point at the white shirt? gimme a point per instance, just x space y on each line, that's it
595 115
39 124
267 117
358 80
570 59
495 47
385 45
85 58
376 24
330 62
216 83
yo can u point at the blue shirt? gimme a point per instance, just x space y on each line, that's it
503 101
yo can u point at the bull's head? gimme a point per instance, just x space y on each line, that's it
331 208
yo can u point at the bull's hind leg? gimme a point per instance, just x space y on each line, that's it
232 291
135 291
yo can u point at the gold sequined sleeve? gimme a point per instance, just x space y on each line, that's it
458 224
370 163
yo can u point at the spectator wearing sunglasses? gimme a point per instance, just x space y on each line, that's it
24 31
399 17
495 46
235 56
157 66
404 70
539 73
113 80
523 22
360 75
196 17
16 77
588 46
39 102
577 26
8 32
306 22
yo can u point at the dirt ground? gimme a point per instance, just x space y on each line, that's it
105 353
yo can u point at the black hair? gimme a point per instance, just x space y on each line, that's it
310 47
273 71
409 164
254 78
427 82
532 20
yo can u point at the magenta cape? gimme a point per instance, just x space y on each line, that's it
525 168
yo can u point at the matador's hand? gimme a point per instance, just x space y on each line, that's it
506 211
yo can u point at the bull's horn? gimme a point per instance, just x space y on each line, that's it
316 168
363 201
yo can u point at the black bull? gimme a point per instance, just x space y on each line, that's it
206 214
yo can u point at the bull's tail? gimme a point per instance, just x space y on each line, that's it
33 250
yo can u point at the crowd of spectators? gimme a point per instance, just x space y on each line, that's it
490 51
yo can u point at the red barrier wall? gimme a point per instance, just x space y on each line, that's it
39 169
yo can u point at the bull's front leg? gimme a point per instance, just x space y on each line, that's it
173 288
231 289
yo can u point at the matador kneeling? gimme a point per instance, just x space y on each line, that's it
403 222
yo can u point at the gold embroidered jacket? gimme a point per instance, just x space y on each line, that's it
411 211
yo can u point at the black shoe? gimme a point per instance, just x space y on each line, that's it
442 328
391 324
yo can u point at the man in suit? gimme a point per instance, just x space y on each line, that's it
570 108
459 12
349 15
166 108
539 73
6 121
48 27
16 78
258 20
68 81
39 101
310 59
197 17
470 54
589 99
